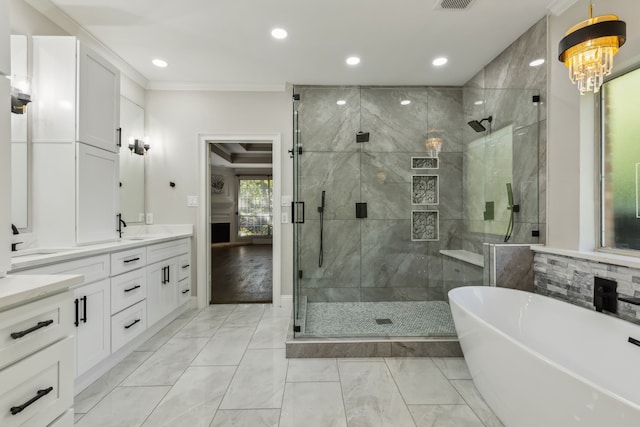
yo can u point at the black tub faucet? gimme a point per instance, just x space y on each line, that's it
605 295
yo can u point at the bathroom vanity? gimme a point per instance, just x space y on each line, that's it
36 350
130 290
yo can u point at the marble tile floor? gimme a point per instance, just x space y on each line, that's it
226 366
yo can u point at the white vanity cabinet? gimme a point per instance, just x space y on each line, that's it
162 289
129 293
128 296
91 309
93 324
74 143
166 278
36 351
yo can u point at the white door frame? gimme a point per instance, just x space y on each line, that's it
204 229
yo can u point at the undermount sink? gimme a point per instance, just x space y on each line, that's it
141 237
38 251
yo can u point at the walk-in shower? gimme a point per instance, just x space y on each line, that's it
416 183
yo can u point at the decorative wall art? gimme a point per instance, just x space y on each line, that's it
425 226
217 184
424 190
424 163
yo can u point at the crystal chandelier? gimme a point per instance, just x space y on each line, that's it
588 49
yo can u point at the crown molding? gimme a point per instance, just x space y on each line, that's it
215 87
64 21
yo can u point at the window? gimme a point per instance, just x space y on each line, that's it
620 164
255 216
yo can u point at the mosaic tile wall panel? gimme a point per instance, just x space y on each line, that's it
424 163
571 279
424 226
425 190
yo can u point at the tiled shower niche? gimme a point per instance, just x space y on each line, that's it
425 190
424 226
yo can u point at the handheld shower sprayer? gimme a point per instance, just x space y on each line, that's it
321 212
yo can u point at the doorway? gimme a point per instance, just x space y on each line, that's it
241 222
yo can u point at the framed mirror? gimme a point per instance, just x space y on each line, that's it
19 139
131 162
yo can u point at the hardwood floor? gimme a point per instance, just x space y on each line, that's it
241 274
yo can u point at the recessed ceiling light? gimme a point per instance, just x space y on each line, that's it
341 102
479 102
405 102
159 63
440 61
353 60
279 33
536 62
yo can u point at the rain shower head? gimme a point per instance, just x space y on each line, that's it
477 125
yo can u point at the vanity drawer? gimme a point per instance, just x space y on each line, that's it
162 251
124 261
93 268
32 326
184 289
184 266
128 324
48 376
128 289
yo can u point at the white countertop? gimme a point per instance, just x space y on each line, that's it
138 236
18 289
466 256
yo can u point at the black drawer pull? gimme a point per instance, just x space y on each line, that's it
41 393
77 303
131 289
131 324
186 291
186 266
84 316
126 261
39 325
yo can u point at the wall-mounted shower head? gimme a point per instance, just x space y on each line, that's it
477 125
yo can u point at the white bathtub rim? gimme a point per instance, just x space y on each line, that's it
545 359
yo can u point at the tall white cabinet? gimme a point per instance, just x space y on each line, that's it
75 143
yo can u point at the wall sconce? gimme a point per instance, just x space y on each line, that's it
20 94
139 147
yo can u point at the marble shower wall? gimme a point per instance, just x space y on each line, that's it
504 89
374 259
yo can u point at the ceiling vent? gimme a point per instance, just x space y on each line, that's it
453 4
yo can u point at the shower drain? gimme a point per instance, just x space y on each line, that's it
384 321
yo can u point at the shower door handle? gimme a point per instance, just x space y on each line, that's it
295 211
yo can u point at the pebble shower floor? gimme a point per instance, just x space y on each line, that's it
356 319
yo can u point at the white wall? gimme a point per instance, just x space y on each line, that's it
572 172
5 145
175 118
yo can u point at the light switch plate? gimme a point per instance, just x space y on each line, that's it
192 201
284 218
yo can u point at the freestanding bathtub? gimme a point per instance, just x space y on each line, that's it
540 362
